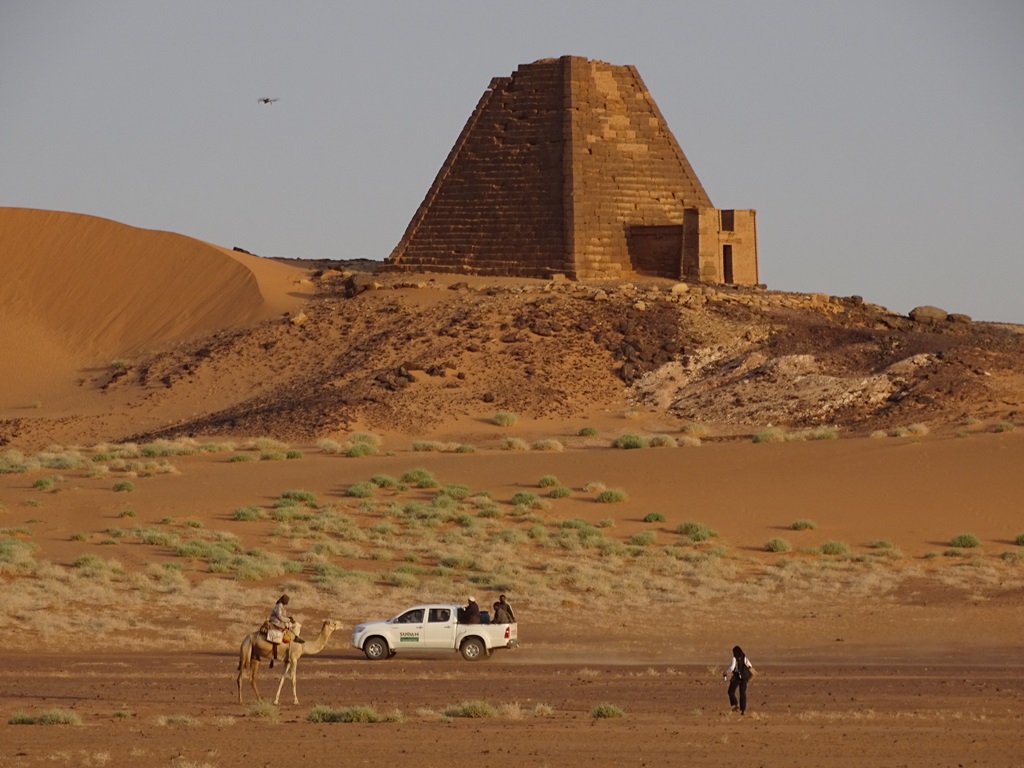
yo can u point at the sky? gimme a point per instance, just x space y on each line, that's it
881 142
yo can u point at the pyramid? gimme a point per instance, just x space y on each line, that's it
568 167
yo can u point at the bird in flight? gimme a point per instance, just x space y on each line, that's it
266 100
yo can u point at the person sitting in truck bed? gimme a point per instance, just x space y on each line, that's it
501 614
471 613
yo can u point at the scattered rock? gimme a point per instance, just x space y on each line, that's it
957 317
928 314
299 319
680 288
359 283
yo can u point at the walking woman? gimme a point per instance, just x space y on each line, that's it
741 670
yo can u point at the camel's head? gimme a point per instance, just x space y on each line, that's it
332 625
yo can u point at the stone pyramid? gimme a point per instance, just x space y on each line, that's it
568 167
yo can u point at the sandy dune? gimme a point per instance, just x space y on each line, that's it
82 290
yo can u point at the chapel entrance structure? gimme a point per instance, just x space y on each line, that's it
568 167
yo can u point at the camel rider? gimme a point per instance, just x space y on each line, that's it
281 619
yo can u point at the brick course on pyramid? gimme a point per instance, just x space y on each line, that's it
568 167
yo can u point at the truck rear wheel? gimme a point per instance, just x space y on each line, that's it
376 648
473 649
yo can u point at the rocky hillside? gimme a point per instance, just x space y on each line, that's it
417 354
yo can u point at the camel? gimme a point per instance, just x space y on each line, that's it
255 649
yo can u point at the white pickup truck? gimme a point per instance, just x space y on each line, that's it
433 627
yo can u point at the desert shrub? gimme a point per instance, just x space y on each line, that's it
263 710
654 517
559 492
548 481
643 539
292 453
823 433
612 496
606 523
16 556
696 532
470 709
918 429
1012 557
360 713
419 477
358 450
663 441
330 446
694 429
1004 426
509 536
548 444
607 710
630 441
21 718
455 491
1019 541
771 435
776 545
460 448
384 481
964 541
304 497
120 364
488 510
46 483
525 499
248 513
59 717
160 448
426 446
504 419
14 462
834 548
803 524
587 432
363 490
514 444
594 486
273 456
187 720
241 457
127 513
880 544
878 433
125 486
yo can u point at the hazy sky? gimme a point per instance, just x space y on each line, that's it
882 143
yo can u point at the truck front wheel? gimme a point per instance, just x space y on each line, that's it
376 648
473 649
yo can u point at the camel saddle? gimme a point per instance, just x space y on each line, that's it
275 635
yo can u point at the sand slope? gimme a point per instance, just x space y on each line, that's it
84 289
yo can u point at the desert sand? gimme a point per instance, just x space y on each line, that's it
151 512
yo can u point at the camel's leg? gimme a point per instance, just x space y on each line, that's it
295 672
255 667
280 683
244 661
